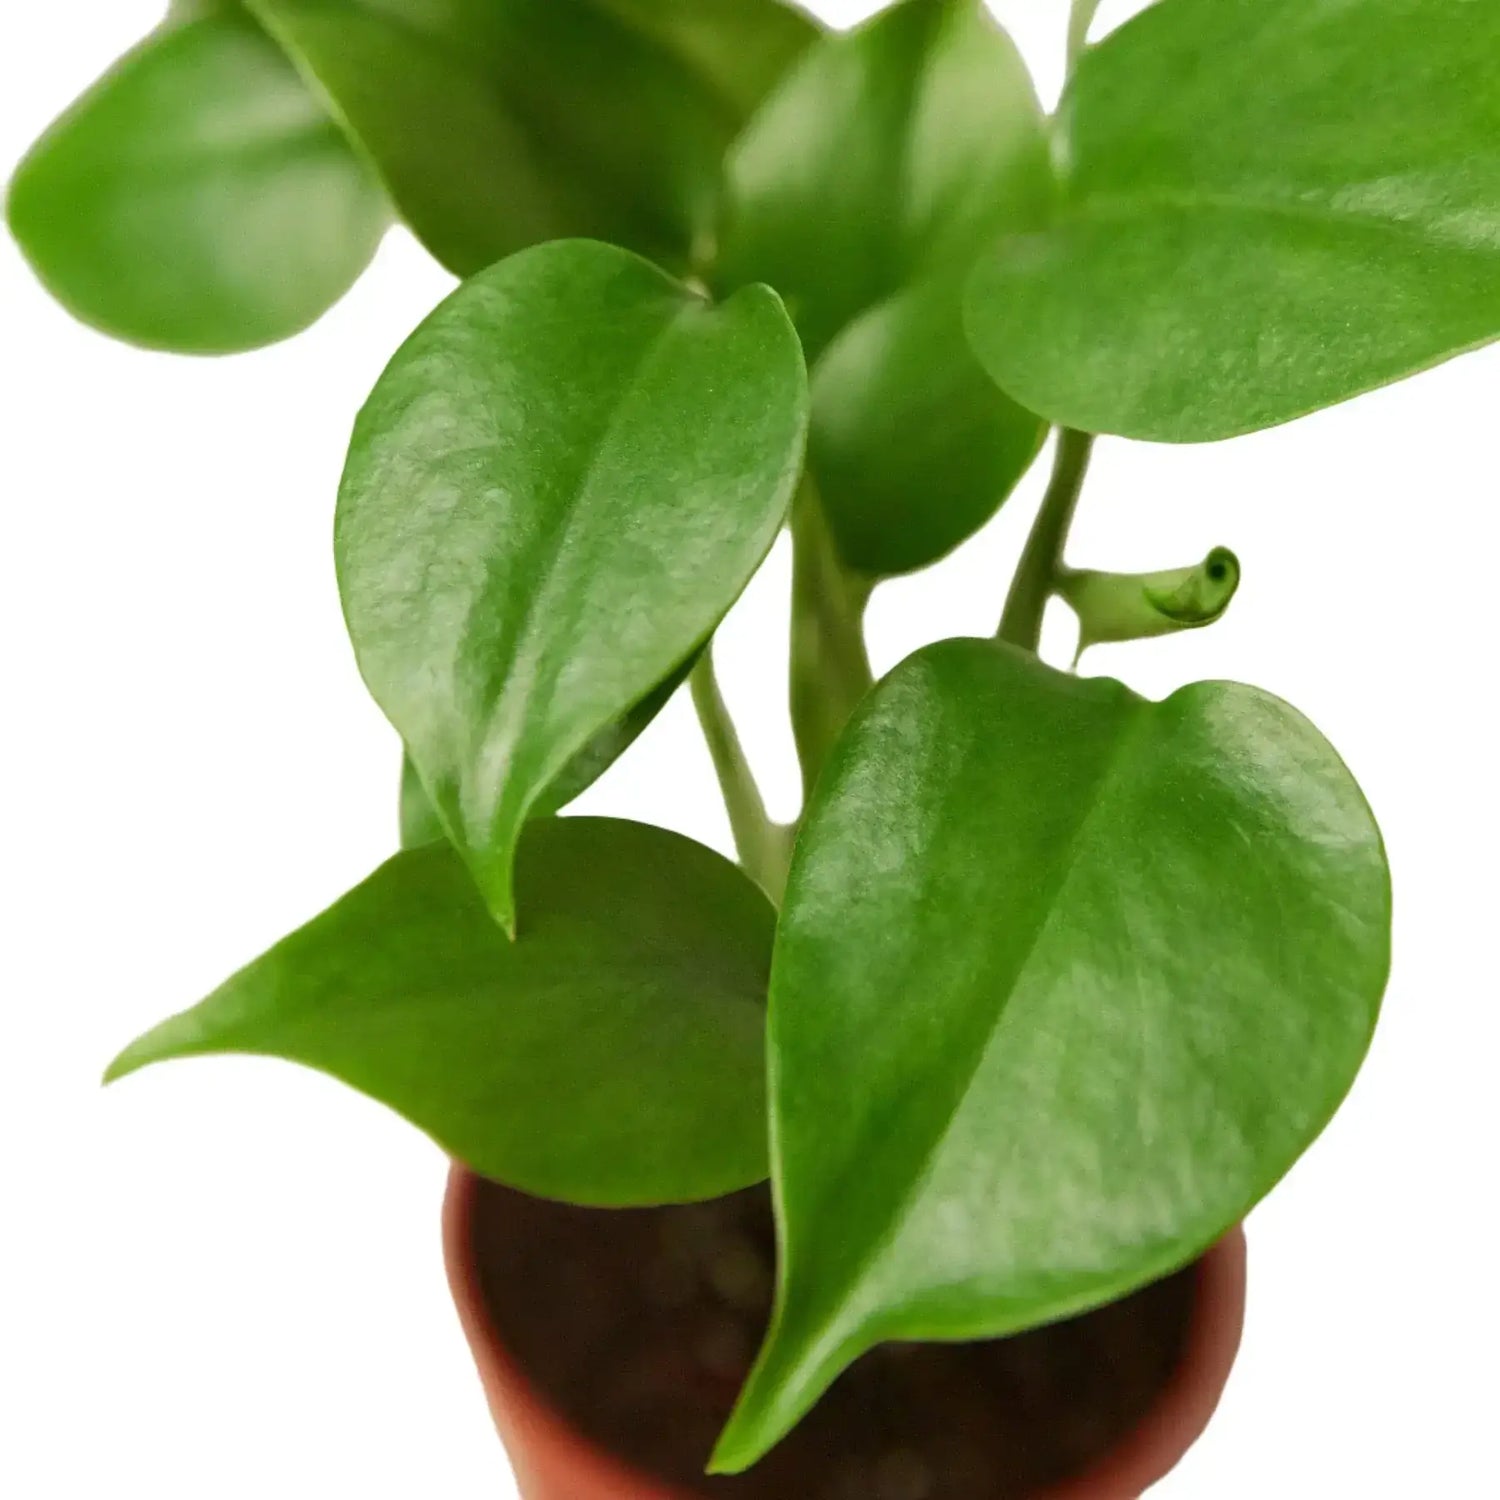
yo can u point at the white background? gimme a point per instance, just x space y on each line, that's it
222 1279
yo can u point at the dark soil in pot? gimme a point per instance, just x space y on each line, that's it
638 1327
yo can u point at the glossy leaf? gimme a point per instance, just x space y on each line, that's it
1065 981
889 153
198 197
612 1055
419 820
1272 205
914 447
556 490
499 124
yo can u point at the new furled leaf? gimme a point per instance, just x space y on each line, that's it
1065 981
557 489
1270 206
613 1055
198 198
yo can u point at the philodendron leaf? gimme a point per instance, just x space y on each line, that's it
499 124
198 198
1271 206
420 823
890 153
914 447
557 489
1065 981
612 1055
863 190
740 48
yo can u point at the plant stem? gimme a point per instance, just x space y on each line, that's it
1037 575
1079 21
830 668
763 846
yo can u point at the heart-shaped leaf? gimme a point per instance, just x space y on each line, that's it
1065 981
913 445
499 124
613 1054
885 162
1271 206
198 197
557 489
889 153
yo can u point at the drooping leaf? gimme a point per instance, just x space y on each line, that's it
499 124
1271 206
1065 981
864 188
557 489
890 153
914 447
198 198
612 1055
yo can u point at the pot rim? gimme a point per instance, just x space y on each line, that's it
541 1442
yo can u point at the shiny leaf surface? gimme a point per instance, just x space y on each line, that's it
611 1055
1271 206
1065 981
557 489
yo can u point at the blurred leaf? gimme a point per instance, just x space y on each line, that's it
197 198
499 124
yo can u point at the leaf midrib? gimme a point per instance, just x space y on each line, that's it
881 1245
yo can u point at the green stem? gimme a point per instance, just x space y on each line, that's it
1036 577
1079 21
763 846
830 667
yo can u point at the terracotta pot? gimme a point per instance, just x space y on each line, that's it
552 1462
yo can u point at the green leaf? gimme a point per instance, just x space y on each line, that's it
197 198
862 191
420 823
740 47
889 153
557 489
1065 981
1140 606
612 1055
499 124
419 820
913 446
1272 205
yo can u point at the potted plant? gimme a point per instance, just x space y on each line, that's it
1049 984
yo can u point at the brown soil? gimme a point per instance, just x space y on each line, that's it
640 1325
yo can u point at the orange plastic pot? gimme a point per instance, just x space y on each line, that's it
553 1462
